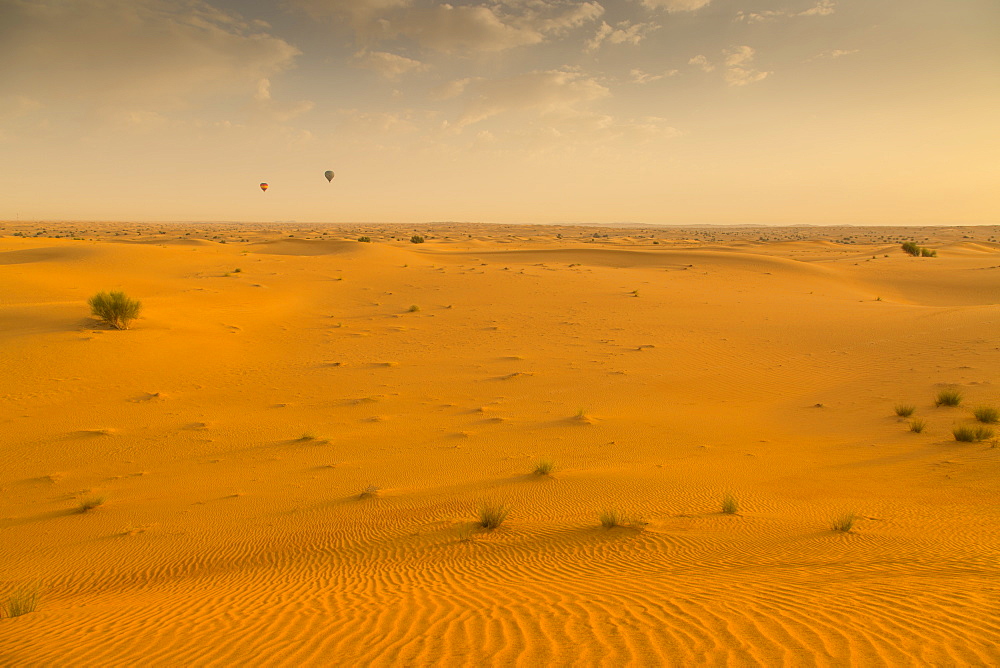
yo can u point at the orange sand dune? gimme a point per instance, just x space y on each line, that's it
232 431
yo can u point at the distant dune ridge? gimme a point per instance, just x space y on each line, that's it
698 444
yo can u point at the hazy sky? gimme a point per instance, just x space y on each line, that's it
655 111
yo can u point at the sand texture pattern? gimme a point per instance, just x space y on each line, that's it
294 438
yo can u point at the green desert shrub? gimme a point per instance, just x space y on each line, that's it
115 308
917 425
843 523
365 240
730 505
927 252
21 601
416 239
905 410
615 517
987 414
87 503
492 515
971 433
948 398
911 248
413 308
544 467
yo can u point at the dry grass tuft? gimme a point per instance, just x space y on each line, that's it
987 414
730 505
948 398
905 410
917 425
492 515
21 601
87 503
544 467
844 522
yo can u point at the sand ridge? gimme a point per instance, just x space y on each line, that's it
234 428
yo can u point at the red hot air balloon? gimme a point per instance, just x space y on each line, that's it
263 187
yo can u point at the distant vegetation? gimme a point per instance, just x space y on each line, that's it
913 249
115 308
416 239
492 515
969 434
948 398
729 505
21 601
544 467
844 522
365 240
88 503
987 414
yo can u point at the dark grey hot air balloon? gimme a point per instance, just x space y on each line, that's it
328 174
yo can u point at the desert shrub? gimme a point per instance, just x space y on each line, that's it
611 518
729 504
237 270
21 601
971 433
89 503
911 248
365 240
982 432
948 398
917 425
544 467
492 515
115 308
905 410
927 252
844 522
413 308
416 239
987 414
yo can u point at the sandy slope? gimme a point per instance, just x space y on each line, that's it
233 428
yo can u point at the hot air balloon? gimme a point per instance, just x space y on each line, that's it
263 187
328 174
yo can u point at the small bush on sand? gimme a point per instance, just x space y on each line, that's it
88 503
730 505
927 252
911 248
948 398
844 522
492 515
115 308
544 467
21 601
614 517
987 414
917 425
905 410
413 308
416 239
971 433
365 240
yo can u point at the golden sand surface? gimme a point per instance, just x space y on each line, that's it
279 371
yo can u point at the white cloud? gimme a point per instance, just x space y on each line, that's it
388 65
456 29
623 33
133 53
835 53
637 76
821 8
702 62
737 67
676 5
546 92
